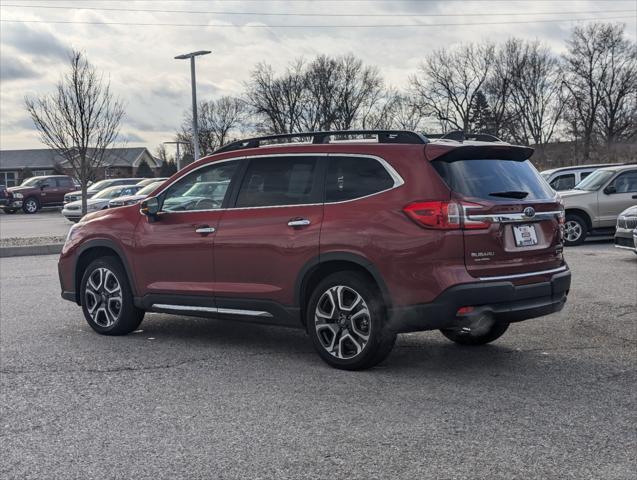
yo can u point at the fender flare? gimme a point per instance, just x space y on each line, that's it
359 260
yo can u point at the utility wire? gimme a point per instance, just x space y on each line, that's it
288 14
417 25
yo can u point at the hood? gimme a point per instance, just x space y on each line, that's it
127 198
576 193
20 189
629 212
89 202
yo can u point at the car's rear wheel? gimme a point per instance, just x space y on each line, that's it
107 299
347 322
575 229
478 336
31 205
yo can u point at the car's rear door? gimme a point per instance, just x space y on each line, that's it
270 232
511 216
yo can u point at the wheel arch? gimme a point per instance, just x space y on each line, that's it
319 267
96 249
582 213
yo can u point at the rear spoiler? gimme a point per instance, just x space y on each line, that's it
481 152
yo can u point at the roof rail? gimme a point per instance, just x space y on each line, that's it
460 136
384 136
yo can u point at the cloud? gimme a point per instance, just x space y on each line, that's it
35 42
130 137
12 69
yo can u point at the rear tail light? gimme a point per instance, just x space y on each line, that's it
443 215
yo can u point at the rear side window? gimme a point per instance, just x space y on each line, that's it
355 177
276 181
494 179
563 182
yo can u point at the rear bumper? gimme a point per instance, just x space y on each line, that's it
503 300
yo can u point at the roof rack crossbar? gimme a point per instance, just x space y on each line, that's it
384 136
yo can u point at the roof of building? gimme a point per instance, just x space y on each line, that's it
46 158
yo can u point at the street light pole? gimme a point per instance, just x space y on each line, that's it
178 153
195 130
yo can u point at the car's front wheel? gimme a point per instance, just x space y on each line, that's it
9 211
107 299
575 230
347 322
31 205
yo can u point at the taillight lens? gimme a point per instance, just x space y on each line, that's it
439 215
443 215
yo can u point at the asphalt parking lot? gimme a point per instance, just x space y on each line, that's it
196 398
45 223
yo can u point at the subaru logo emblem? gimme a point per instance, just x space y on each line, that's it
529 212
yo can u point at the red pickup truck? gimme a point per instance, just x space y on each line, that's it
38 192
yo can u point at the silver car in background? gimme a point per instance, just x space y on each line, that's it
73 210
626 229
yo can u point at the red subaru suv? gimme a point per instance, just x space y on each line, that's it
355 236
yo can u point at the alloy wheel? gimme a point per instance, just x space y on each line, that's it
103 297
31 206
342 321
573 231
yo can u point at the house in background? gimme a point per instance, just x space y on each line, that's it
117 163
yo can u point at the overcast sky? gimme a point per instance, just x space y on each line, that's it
156 88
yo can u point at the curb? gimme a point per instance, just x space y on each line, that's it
47 249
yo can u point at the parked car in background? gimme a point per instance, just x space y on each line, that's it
98 187
135 198
626 228
566 178
4 196
38 192
147 181
73 210
596 202
353 242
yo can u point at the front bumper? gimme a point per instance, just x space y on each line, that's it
624 239
504 301
72 214
10 203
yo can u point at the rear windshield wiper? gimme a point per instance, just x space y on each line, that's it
510 194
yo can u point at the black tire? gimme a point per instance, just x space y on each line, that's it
9 211
574 223
380 340
30 205
127 317
495 332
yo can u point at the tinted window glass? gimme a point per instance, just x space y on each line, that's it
626 182
355 177
203 189
494 179
583 175
563 182
277 181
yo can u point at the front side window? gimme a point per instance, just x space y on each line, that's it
626 182
355 177
202 189
563 182
276 181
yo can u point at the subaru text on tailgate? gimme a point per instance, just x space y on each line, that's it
353 236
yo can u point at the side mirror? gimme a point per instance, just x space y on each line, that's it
610 189
149 207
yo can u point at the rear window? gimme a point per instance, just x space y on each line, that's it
494 179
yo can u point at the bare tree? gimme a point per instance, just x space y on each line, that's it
449 81
277 101
536 96
599 65
219 121
80 120
395 110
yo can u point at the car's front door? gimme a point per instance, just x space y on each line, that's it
173 253
621 195
269 234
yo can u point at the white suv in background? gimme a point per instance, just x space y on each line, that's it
566 178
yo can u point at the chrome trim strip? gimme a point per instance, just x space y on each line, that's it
515 217
185 308
248 313
528 274
398 180
226 311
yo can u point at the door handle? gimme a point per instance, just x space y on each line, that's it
205 230
299 222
